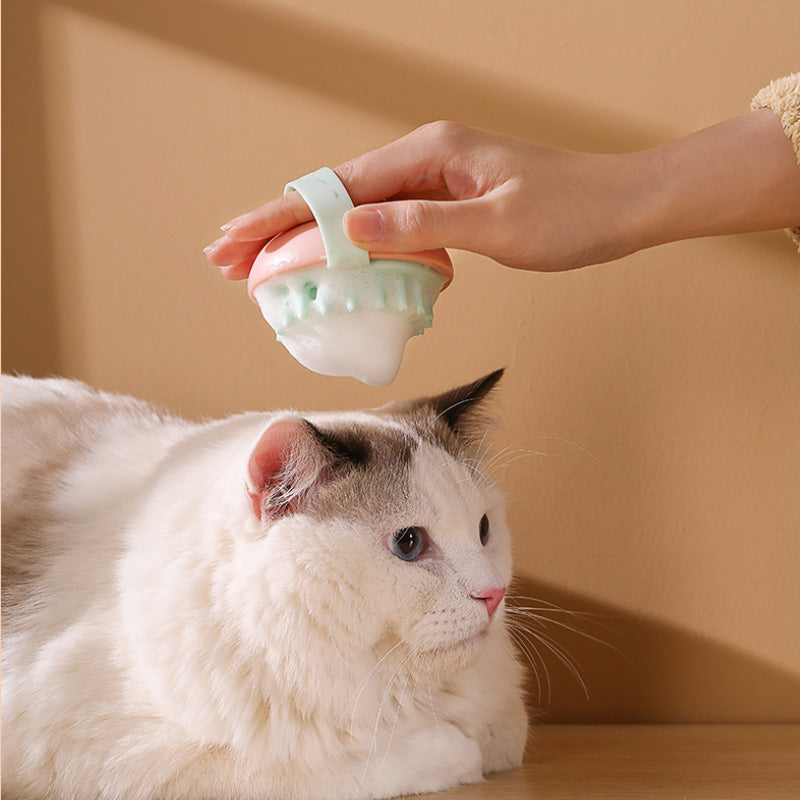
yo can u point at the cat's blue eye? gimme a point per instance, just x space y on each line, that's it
483 529
408 543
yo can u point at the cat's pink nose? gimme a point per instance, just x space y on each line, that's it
492 597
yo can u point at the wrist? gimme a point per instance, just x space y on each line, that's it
738 176
635 205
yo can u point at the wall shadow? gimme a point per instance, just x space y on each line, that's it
639 669
29 310
295 49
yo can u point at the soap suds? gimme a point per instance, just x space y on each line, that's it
351 322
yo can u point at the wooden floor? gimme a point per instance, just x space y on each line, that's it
649 762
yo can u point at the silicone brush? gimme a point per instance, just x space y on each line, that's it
338 309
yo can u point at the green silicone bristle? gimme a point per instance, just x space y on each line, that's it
392 286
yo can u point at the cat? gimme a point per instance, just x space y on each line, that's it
274 605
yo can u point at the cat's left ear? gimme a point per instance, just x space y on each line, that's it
286 462
459 411
462 408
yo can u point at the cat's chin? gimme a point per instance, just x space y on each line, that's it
455 656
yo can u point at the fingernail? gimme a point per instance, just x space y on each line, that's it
364 225
232 225
210 248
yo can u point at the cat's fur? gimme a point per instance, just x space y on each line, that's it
213 611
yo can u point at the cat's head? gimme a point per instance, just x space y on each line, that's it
382 526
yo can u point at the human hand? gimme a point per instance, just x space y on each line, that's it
447 185
534 207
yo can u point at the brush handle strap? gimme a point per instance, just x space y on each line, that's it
328 200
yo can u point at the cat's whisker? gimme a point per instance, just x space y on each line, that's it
562 440
533 620
545 668
531 632
336 646
563 656
508 496
480 452
471 464
443 466
516 615
386 694
466 479
475 465
513 601
515 596
364 682
447 410
533 657
361 687
544 607
501 459
495 466
510 447
511 450
430 698
529 636
397 717
542 621
552 437
513 456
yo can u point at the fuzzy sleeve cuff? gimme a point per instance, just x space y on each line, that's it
783 97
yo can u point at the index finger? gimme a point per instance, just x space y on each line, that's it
410 164
270 219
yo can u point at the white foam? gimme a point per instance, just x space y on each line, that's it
352 322
367 345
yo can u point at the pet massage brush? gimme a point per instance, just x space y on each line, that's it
338 309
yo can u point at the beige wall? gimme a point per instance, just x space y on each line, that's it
663 391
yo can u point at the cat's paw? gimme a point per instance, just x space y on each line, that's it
504 742
428 761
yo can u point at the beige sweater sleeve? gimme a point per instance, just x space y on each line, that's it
783 97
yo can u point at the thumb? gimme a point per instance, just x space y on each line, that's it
413 225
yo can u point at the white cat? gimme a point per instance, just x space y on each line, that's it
267 606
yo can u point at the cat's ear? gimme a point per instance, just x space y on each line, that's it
286 462
460 411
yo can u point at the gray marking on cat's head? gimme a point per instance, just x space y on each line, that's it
363 446
368 468
369 463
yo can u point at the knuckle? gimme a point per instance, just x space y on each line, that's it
423 223
444 131
295 208
415 217
345 172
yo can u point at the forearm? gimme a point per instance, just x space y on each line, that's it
738 176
